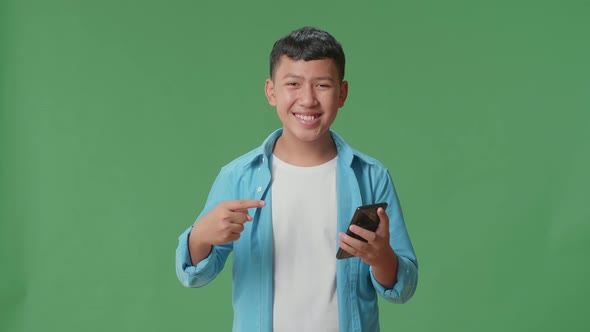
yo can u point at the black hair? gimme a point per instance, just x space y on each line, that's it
307 44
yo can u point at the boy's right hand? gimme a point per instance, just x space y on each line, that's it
223 224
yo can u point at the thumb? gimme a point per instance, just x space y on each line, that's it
383 228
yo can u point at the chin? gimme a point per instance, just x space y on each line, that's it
311 135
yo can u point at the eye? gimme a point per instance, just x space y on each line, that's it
292 84
324 85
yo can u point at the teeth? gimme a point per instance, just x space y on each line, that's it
305 117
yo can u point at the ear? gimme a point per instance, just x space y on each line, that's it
269 90
343 93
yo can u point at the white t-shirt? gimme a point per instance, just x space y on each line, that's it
304 247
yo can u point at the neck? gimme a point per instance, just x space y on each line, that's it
305 154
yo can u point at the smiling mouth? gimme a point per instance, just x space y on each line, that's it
307 117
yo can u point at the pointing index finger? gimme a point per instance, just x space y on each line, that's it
244 204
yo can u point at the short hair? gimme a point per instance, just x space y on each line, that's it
307 44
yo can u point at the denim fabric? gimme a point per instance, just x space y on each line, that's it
360 180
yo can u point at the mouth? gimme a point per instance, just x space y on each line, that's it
307 117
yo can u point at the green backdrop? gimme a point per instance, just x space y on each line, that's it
115 117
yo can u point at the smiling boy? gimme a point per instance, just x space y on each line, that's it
283 209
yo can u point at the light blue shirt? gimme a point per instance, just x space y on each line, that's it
360 180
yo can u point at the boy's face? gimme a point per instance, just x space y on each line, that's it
307 96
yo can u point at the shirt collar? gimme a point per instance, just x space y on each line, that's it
264 152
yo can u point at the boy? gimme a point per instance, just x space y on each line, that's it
283 209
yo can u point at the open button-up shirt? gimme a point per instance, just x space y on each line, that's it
360 180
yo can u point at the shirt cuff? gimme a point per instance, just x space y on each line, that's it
405 285
192 275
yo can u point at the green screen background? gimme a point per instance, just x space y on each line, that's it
115 117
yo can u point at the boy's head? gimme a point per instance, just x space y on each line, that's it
307 85
308 44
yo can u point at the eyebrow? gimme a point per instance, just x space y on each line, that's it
320 78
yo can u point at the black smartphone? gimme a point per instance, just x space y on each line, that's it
366 217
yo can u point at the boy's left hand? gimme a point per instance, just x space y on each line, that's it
377 252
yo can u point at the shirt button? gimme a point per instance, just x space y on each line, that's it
259 189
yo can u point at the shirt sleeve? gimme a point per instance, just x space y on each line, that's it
207 269
407 270
404 288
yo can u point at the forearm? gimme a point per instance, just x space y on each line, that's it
198 274
385 273
198 249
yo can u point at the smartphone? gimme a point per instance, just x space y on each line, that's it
366 217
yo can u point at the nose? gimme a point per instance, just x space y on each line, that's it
307 97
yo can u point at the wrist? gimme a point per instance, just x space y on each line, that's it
198 249
385 271
388 261
196 238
